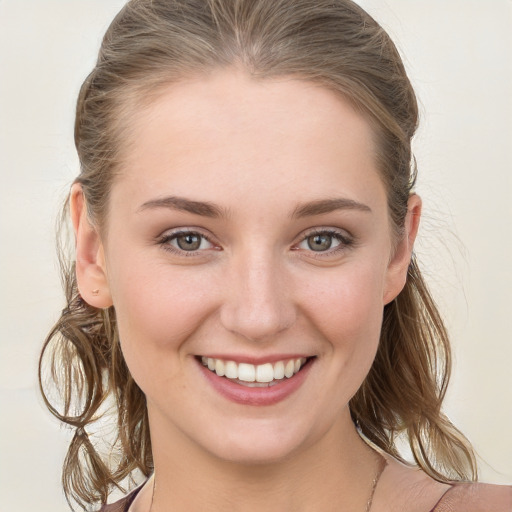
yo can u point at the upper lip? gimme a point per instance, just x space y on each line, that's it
260 359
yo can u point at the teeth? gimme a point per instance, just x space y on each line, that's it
219 367
231 370
289 368
279 370
246 372
264 373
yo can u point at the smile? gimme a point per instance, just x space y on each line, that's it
262 384
261 375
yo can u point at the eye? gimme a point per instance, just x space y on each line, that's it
189 242
321 242
325 241
186 241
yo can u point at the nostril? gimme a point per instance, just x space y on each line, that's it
255 324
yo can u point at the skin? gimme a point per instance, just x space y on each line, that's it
258 151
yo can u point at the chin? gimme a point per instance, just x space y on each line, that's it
259 445
254 453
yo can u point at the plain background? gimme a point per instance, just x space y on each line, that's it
458 53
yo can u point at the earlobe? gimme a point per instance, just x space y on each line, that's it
396 276
91 272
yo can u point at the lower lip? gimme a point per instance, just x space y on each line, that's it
257 396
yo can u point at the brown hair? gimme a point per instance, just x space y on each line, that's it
152 43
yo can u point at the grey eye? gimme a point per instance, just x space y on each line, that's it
189 242
182 242
319 242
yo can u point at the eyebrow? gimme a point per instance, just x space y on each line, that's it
202 208
207 209
323 206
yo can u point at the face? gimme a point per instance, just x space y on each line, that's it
249 228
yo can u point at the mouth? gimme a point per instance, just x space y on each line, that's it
263 375
251 375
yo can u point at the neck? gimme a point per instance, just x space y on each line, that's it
335 473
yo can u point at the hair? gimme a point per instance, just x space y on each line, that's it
334 43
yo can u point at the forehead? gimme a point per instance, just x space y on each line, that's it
260 141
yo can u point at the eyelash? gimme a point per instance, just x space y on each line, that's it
345 242
165 242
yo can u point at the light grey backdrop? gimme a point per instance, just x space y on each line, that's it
458 53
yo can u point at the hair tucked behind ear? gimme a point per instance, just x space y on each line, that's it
152 43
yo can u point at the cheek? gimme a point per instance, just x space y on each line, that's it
345 309
348 304
348 309
157 308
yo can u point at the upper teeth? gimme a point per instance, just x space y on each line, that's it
254 373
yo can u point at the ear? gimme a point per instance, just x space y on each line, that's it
396 275
91 272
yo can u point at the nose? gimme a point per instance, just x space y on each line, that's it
258 301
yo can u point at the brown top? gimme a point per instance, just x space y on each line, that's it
123 504
459 498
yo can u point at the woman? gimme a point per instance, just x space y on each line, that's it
245 287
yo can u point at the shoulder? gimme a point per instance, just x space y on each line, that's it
475 497
407 488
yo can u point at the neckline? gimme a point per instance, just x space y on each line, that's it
123 505
443 496
127 501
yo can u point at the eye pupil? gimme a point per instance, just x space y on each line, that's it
189 242
319 242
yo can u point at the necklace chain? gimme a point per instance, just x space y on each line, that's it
376 478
